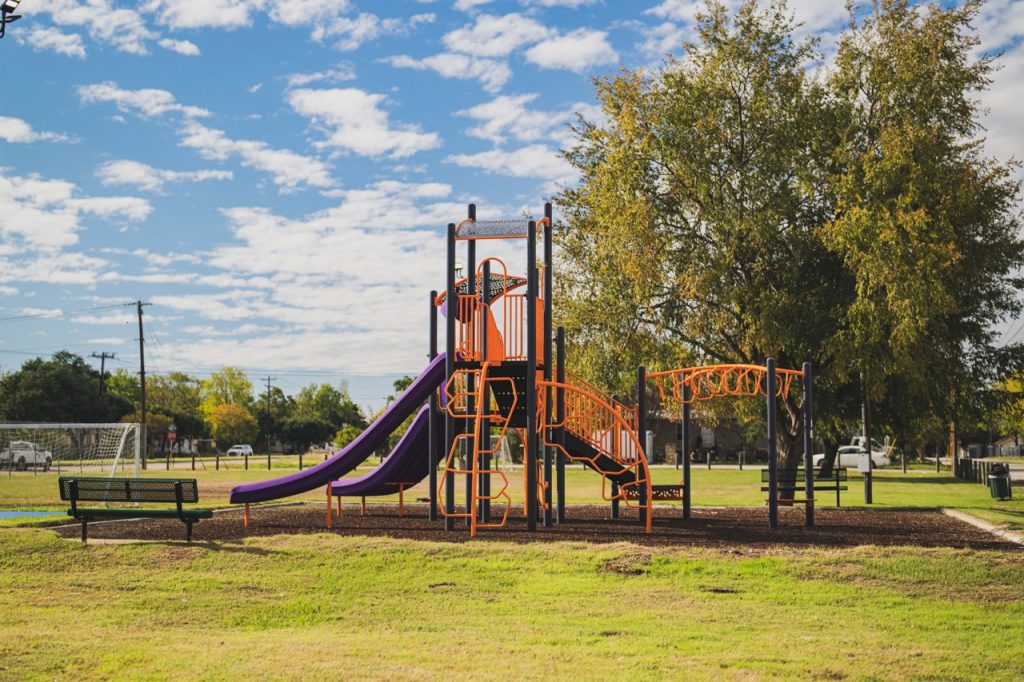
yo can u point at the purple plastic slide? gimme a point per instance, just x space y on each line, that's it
407 463
355 452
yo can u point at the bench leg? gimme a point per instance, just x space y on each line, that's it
188 531
85 530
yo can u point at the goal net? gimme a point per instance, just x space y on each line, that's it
101 449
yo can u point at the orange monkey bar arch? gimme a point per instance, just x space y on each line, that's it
707 382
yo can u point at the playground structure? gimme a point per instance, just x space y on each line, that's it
504 370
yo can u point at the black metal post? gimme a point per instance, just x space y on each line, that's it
531 377
548 406
484 485
684 444
432 420
449 421
773 465
560 420
615 486
867 447
808 449
470 380
641 427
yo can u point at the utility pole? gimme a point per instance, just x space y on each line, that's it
268 380
103 363
142 380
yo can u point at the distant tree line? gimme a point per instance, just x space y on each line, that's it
224 406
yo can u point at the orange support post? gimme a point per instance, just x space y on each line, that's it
329 520
362 507
339 506
401 499
246 517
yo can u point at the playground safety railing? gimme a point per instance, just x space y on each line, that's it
601 425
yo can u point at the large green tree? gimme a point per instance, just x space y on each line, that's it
731 208
924 222
229 386
232 424
691 237
61 389
328 404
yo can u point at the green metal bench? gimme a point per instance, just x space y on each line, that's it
793 480
178 491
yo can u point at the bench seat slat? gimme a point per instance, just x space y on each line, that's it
145 513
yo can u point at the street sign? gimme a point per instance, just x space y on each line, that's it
172 433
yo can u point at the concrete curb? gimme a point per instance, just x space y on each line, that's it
1001 533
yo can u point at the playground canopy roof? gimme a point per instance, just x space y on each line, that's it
497 286
496 229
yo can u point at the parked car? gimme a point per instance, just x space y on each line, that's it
853 455
21 454
239 450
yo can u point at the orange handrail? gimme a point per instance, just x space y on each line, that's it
595 420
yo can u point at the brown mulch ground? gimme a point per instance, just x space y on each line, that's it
733 527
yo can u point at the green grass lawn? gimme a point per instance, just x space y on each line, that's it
299 607
720 487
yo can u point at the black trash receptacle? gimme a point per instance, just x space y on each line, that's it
999 482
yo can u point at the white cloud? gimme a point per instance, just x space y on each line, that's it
182 14
532 161
354 121
124 29
288 169
147 102
343 72
143 176
679 10
37 214
577 51
15 130
54 40
466 5
302 12
349 33
108 341
508 116
496 36
185 47
561 3
492 73
8 291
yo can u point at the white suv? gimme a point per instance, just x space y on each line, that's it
239 450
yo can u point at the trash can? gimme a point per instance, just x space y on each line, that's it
999 482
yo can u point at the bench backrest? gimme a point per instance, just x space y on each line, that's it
98 489
797 475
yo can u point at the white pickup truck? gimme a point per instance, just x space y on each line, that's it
21 455
853 454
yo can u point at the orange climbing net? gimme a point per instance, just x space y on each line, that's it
716 381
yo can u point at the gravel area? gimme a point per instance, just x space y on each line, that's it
732 527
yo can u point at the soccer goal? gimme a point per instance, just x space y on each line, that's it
98 448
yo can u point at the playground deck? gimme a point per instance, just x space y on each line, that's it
741 528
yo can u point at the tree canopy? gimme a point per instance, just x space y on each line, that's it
734 206
61 389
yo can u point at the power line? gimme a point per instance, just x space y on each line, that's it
61 313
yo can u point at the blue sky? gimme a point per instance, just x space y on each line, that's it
275 177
